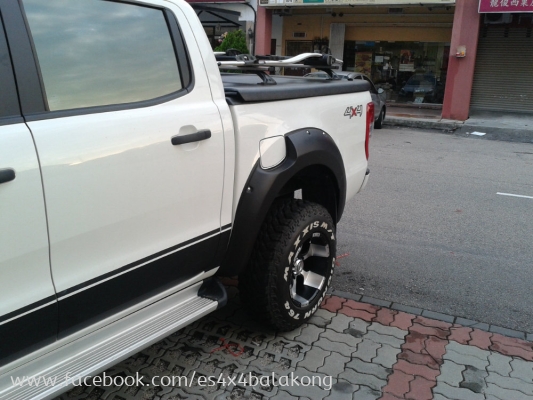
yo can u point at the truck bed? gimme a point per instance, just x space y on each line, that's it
244 88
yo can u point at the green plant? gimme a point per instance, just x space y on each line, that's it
234 40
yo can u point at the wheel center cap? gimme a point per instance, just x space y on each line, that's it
298 266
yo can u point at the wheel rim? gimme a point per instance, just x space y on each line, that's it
309 269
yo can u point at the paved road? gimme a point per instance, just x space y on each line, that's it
430 231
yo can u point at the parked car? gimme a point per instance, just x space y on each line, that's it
378 95
132 172
424 85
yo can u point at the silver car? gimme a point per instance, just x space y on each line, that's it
378 95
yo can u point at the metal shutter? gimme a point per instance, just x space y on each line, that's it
503 78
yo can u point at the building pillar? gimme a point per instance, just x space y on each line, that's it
263 31
460 76
336 40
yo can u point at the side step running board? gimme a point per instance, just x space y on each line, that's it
97 351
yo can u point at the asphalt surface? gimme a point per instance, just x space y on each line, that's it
430 230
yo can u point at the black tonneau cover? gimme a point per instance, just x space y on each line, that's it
244 88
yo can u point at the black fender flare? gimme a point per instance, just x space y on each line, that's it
305 147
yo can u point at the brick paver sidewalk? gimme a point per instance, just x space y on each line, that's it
349 349
433 359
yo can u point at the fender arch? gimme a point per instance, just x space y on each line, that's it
308 147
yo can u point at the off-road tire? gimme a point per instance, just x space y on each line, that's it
290 251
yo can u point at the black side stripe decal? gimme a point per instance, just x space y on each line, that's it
28 333
134 264
27 308
107 298
225 227
37 304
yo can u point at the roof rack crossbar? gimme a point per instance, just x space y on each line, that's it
231 60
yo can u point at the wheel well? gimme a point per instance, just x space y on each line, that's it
313 164
317 184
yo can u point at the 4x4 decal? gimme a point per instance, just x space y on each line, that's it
354 111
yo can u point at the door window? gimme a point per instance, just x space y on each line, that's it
96 53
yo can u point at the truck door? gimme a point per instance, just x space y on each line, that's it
132 153
28 306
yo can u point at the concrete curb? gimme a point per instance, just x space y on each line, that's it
463 129
423 123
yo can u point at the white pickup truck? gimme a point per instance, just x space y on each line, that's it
132 174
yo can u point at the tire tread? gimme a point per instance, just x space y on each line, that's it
258 283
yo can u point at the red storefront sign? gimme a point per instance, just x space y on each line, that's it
216 1
505 6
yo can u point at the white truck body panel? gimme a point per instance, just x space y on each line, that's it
192 35
93 167
23 237
257 121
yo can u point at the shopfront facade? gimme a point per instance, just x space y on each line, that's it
403 48
409 71
459 56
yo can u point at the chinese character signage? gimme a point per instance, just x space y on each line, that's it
285 3
505 6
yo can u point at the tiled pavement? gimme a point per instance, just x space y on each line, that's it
349 349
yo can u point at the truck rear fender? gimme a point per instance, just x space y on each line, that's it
313 164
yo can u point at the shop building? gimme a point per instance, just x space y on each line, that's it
460 56
503 75
402 47
220 16
494 72
224 16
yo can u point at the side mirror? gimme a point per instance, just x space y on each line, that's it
380 90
